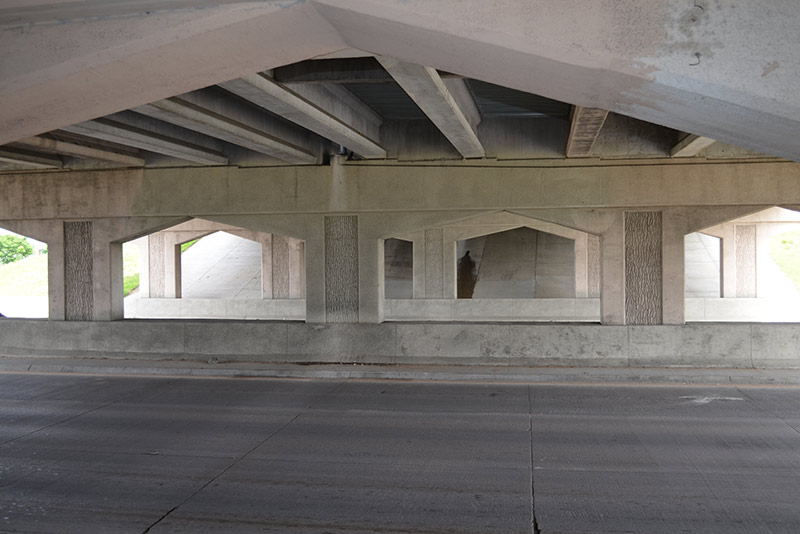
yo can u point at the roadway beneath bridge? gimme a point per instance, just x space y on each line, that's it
94 453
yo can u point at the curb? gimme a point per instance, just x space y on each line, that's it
432 373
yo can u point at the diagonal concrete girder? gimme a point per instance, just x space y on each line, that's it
449 107
722 70
314 110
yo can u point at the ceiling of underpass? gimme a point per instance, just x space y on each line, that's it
363 105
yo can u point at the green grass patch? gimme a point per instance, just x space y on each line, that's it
188 244
785 251
130 267
131 283
24 278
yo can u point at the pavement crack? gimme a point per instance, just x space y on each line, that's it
534 522
242 457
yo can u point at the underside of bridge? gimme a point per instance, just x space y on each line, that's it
593 137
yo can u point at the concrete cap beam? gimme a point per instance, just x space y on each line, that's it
432 95
313 110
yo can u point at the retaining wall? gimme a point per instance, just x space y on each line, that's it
693 345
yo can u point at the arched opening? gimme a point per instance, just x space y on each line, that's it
23 276
398 269
203 269
499 266
757 273
521 263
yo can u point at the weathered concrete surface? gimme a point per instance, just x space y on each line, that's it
742 345
89 453
218 193
725 72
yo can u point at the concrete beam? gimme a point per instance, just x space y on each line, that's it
585 126
196 112
456 119
286 190
80 151
691 145
110 130
337 70
314 110
106 57
29 159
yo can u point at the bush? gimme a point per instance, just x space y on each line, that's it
13 248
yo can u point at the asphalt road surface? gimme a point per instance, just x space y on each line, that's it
127 454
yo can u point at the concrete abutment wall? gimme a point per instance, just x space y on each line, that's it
751 346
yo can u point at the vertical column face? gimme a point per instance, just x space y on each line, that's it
341 268
288 268
434 263
157 265
78 269
593 265
643 277
281 265
745 237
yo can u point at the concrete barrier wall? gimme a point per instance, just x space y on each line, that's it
695 345
525 310
267 309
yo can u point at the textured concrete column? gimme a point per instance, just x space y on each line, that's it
434 263
266 265
612 273
370 278
745 243
78 271
673 268
643 261
581 253
341 269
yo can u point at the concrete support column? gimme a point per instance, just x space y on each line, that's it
92 272
370 277
315 270
581 253
593 261
727 261
332 270
286 268
78 271
341 269
673 268
745 245
643 267
418 251
612 273
434 264
164 261
143 243
266 266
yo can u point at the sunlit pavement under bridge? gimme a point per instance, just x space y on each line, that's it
130 454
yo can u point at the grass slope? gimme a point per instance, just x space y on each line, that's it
785 250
